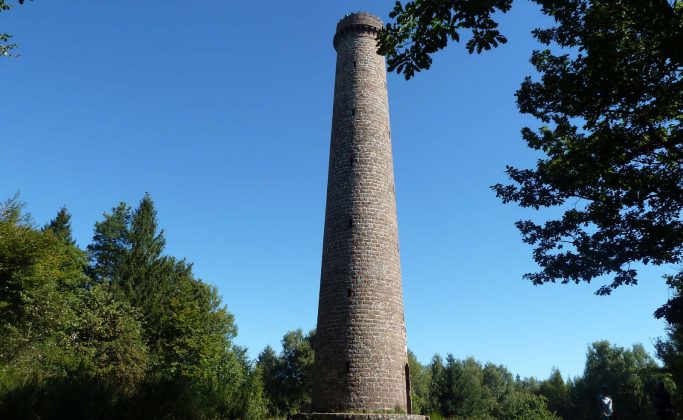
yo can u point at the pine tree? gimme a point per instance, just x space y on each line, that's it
143 261
60 226
557 392
110 245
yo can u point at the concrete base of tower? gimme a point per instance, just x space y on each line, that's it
358 416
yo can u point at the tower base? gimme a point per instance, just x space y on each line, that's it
358 416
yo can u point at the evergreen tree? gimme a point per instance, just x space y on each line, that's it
60 226
110 246
145 246
187 330
465 395
557 393
466 389
140 338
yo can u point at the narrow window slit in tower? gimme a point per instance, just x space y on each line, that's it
353 112
350 222
348 366
354 64
348 293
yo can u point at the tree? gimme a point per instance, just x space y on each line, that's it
629 374
670 349
145 245
437 386
609 97
194 369
254 403
40 283
297 358
424 27
287 377
194 333
523 404
67 345
466 389
135 335
109 340
498 380
465 394
109 245
557 393
419 385
126 251
60 226
5 47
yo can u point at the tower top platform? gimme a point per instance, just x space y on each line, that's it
357 22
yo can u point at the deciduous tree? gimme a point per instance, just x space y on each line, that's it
288 377
609 97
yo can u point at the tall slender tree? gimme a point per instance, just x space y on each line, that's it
144 258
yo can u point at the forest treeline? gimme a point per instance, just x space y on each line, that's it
122 330
469 389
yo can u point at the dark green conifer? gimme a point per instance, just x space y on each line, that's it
60 226
109 246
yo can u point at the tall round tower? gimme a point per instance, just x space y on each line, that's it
360 348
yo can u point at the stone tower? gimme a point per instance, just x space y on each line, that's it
361 360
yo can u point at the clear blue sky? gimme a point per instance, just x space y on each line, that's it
222 111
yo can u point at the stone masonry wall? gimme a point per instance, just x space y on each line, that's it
360 345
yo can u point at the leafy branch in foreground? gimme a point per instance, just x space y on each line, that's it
610 101
5 46
424 27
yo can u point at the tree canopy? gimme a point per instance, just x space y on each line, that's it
609 98
128 332
87 335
